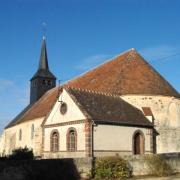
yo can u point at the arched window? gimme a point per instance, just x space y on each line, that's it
55 141
49 83
32 131
20 135
71 140
138 142
44 82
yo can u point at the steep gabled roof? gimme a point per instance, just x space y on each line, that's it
127 73
107 108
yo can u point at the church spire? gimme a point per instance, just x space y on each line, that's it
43 80
43 61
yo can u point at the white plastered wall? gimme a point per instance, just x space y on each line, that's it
62 130
55 117
166 112
73 112
112 140
11 137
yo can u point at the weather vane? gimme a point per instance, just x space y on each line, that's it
44 29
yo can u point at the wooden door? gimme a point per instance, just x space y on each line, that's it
138 143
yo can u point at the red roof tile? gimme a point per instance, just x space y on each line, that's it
127 73
147 111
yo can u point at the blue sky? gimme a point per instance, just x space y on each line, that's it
80 35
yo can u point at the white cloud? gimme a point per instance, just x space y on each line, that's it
92 61
161 52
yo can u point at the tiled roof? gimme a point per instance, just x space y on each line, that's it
127 73
37 110
147 111
107 108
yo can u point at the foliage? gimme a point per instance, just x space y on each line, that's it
22 154
112 167
158 166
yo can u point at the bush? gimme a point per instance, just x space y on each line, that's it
158 166
22 154
112 167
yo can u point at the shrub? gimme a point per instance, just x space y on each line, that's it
112 167
158 166
22 154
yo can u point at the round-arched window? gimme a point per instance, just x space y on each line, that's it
55 141
71 140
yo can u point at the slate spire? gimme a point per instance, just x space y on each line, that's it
43 69
43 80
43 61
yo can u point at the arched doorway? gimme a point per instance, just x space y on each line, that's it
138 143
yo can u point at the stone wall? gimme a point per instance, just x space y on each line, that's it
82 166
137 162
166 115
140 167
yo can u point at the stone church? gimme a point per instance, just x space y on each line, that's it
123 106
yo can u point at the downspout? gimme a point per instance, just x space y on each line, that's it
92 148
92 141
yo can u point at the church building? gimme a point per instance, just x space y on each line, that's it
123 106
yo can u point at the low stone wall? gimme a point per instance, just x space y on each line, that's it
84 166
72 167
139 166
137 163
174 160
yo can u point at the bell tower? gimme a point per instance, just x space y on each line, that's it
43 80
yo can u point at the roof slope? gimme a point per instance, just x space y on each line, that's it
127 73
39 109
106 108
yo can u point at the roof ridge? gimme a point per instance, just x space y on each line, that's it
106 61
156 72
94 92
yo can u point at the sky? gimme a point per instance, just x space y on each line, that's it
82 34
